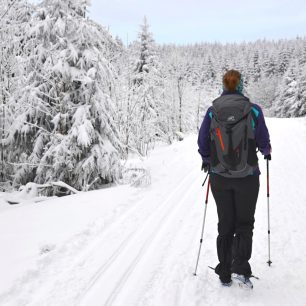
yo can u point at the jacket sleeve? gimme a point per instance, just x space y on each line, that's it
261 133
204 137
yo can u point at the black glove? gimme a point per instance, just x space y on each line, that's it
268 157
205 166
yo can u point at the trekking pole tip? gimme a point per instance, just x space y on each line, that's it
269 262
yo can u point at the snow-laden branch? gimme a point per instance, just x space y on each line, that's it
64 185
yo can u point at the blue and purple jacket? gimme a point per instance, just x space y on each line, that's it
261 133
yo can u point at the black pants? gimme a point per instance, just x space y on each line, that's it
236 202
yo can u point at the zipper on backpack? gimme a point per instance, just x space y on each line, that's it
218 132
245 137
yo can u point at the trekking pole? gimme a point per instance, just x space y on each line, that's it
201 240
268 202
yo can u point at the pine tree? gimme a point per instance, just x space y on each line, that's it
146 93
287 96
14 24
283 60
67 130
256 67
301 96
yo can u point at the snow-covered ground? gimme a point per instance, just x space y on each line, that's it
137 246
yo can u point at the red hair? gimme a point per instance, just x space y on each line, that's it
231 80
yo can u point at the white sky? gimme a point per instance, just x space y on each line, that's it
190 21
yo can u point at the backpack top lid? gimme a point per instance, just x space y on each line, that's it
229 109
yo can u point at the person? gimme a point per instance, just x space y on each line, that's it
232 129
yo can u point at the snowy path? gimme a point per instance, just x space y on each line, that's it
127 246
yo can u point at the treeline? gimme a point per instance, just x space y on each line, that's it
274 72
76 102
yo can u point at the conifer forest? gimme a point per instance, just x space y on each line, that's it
76 102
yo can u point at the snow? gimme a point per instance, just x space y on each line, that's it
137 246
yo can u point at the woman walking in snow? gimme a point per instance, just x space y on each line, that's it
232 129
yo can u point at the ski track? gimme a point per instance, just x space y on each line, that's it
157 224
144 254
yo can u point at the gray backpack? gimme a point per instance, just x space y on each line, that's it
232 134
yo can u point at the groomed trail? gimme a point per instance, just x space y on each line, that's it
126 247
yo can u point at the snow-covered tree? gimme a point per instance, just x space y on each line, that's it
300 109
146 93
14 23
67 130
286 98
284 59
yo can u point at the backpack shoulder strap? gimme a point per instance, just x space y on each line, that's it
255 115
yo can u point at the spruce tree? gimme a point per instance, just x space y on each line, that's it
286 98
14 24
146 93
301 96
67 130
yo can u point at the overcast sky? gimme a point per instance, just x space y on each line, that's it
190 21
